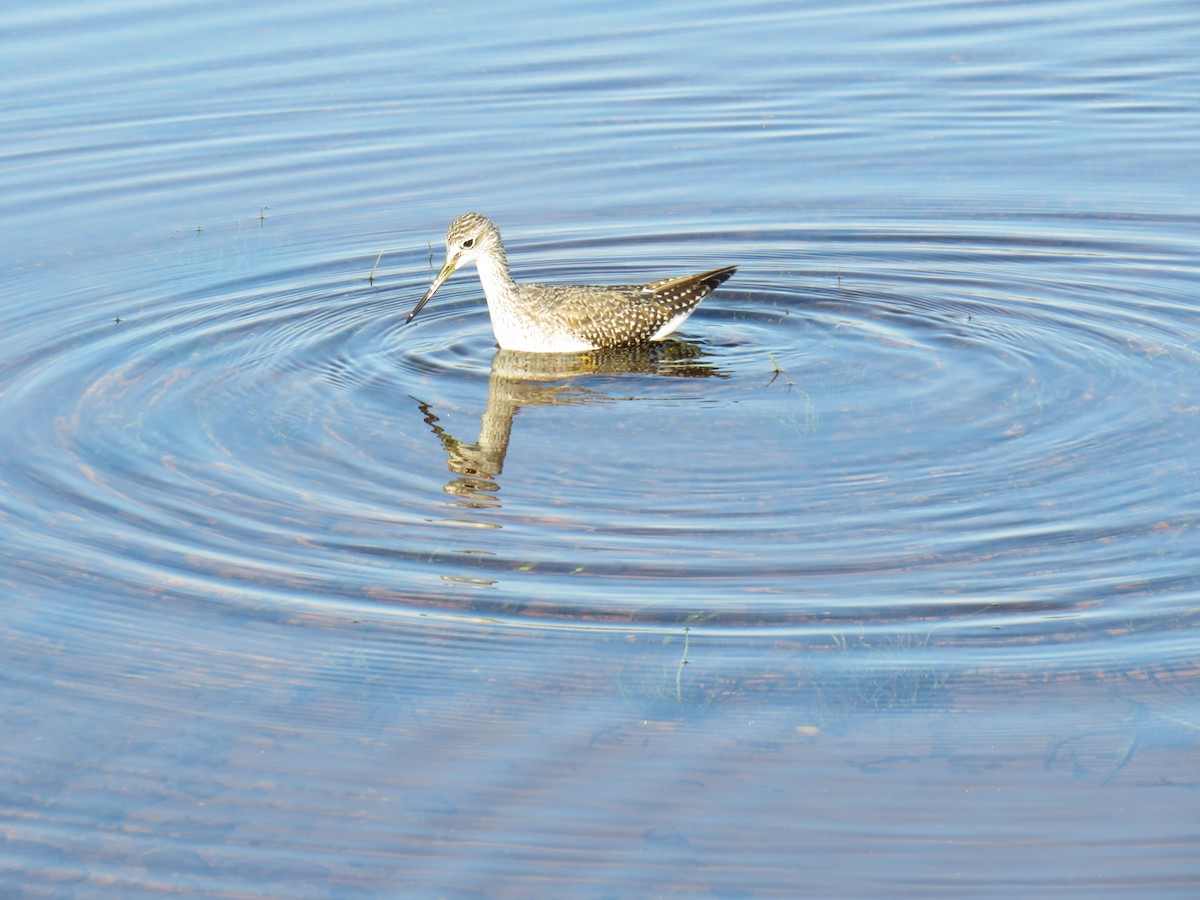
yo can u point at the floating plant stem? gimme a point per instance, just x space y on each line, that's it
683 662
371 277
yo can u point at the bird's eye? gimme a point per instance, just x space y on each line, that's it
468 243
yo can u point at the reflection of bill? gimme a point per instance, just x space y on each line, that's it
521 379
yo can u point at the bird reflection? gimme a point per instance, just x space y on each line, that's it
520 379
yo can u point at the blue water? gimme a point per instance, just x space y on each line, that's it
881 579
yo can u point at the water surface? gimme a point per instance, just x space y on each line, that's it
880 578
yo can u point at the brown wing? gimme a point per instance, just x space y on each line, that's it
677 295
628 315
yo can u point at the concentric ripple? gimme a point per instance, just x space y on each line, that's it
965 420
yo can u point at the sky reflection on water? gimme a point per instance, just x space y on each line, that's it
882 579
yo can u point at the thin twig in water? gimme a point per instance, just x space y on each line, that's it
683 662
371 277
779 371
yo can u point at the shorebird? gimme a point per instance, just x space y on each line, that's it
552 318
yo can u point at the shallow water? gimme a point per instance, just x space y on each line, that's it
878 578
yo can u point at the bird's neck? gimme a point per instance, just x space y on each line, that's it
494 275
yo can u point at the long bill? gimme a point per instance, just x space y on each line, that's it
447 270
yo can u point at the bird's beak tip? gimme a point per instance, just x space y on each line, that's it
447 270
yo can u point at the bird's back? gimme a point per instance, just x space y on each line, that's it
615 315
